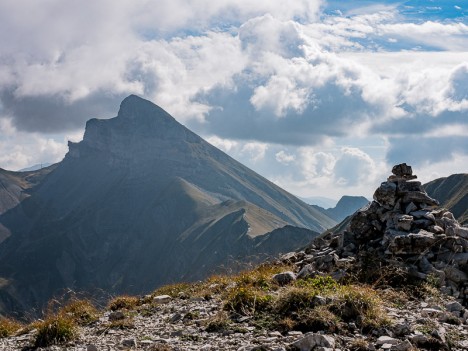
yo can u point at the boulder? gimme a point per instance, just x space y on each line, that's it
385 195
284 278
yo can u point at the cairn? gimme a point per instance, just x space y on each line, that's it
403 227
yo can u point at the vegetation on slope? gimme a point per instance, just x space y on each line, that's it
313 304
452 193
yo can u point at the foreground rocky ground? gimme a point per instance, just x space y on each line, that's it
208 320
394 279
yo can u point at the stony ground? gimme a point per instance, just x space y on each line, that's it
181 323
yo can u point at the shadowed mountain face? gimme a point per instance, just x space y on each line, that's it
345 207
452 193
140 202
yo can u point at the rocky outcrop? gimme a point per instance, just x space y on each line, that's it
402 229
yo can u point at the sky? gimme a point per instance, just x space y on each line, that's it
322 98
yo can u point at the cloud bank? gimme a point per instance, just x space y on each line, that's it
298 93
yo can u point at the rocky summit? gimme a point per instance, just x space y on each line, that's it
141 201
402 230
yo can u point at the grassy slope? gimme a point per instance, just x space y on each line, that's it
452 192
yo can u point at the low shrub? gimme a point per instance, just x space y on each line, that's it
123 303
217 323
361 305
8 327
82 312
247 300
55 330
174 290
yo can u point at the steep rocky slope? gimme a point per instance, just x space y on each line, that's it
143 201
452 193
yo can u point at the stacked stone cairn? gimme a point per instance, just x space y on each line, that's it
402 228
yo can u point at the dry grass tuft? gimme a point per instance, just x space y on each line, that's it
8 327
218 323
360 304
55 330
82 312
124 302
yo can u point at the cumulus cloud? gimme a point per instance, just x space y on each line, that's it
255 150
20 150
316 164
224 144
265 80
284 158
353 166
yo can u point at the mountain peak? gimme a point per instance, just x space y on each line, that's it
135 107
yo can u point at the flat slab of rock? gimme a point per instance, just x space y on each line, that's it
312 340
161 299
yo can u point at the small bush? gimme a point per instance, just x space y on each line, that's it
122 324
82 312
294 299
173 290
260 277
123 302
247 301
55 330
8 327
360 304
218 323
317 319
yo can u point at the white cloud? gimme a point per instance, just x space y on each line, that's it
316 164
224 144
354 166
257 76
255 150
20 150
284 158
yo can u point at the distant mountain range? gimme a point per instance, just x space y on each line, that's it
321 201
345 207
452 192
36 167
141 201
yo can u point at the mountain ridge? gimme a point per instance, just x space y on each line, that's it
142 191
452 192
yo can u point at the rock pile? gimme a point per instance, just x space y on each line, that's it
402 228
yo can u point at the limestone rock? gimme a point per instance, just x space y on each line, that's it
401 228
312 340
284 278
402 170
385 194
162 299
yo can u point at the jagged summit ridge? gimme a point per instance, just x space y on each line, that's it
140 128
